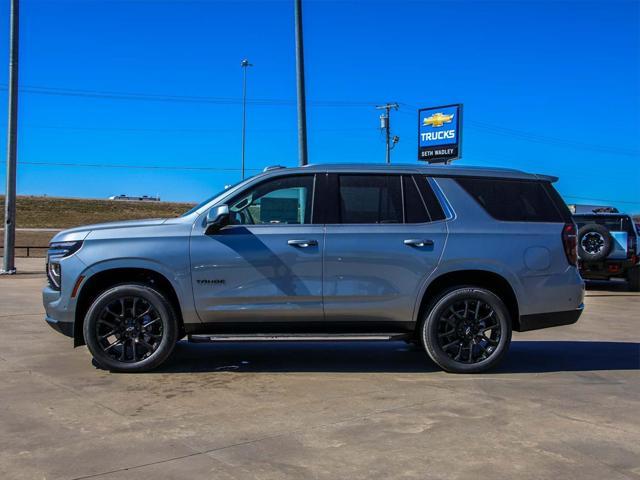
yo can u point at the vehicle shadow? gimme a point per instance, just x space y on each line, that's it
608 286
388 357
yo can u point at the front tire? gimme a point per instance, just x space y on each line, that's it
130 328
466 330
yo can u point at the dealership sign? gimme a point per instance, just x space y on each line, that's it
440 133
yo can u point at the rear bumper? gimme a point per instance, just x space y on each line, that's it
552 319
605 269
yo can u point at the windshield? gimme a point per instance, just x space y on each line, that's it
202 204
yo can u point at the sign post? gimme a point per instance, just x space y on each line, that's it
440 133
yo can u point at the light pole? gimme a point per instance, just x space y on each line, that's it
302 114
9 267
244 64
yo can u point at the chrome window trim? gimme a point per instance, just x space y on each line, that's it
449 212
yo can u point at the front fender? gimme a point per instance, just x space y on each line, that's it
180 279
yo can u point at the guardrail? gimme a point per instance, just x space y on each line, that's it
23 248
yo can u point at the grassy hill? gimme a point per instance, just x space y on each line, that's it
53 212
60 213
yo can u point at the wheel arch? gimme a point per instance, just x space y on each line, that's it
100 281
492 281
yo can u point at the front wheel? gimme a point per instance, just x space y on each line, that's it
466 330
130 328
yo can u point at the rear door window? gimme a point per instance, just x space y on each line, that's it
415 209
513 200
431 201
370 199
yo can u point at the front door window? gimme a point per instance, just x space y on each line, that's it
281 201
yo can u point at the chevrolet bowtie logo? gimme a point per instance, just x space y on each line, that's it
438 119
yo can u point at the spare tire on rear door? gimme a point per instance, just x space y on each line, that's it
594 242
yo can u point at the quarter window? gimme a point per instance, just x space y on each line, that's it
284 200
513 200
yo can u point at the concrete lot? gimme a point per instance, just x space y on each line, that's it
565 404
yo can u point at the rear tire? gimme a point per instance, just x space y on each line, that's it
633 277
454 330
130 328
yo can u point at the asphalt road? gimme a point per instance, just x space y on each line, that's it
565 404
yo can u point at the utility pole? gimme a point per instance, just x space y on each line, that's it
385 124
302 114
9 267
244 64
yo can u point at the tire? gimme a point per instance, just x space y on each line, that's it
464 325
594 242
633 277
134 319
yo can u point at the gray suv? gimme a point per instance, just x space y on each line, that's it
451 258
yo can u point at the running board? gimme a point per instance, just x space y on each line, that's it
297 337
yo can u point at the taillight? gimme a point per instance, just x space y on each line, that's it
570 243
631 245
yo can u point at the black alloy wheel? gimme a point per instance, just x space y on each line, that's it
130 328
467 330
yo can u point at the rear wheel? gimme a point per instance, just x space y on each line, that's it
130 328
633 277
466 330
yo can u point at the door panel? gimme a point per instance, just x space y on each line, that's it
370 274
253 274
375 263
266 266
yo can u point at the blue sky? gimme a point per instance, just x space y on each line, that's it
548 87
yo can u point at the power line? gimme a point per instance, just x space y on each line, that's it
544 139
112 95
493 129
185 130
144 167
602 200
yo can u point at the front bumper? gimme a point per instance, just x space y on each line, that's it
551 319
65 328
59 305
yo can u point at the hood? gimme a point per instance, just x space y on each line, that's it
80 233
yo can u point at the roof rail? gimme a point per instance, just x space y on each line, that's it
272 167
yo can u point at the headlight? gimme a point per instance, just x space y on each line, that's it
58 250
63 249
54 274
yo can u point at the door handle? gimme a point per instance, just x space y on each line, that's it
302 243
416 242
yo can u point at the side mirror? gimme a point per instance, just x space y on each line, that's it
217 218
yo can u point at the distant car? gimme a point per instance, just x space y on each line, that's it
143 198
452 258
608 247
